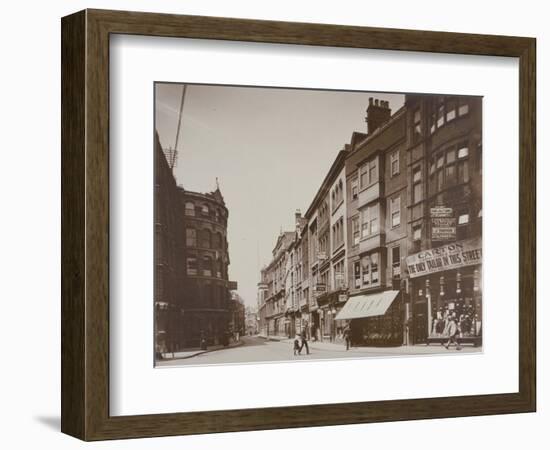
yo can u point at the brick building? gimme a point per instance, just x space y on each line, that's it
377 198
273 288
192 290
169 255
444 174
206 297
327 251
393 235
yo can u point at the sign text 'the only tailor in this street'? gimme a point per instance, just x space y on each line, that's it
451 256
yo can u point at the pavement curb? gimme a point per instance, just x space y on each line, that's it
200 352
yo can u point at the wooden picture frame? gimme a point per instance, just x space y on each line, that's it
85 224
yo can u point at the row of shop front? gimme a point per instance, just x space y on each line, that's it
442 284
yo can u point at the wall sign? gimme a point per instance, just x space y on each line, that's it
450 256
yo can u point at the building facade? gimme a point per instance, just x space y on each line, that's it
251 321
327 253
390 246
445 215
169 256
274 286
377 224
192 289
206 298
237 315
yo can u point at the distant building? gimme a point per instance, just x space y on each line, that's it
251 320
326 224
237 314
263 294
273 286
297 280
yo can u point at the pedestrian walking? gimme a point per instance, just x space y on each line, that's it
453 330
304 342
297 346
347 337
203 342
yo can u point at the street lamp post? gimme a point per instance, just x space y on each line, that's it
429 304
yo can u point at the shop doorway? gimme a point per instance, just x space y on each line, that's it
420 323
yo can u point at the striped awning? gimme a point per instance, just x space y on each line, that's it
367 305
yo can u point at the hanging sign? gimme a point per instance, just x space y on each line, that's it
443 224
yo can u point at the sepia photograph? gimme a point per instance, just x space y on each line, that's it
298 224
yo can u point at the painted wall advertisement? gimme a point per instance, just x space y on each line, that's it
451 256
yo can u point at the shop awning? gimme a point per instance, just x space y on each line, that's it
367 305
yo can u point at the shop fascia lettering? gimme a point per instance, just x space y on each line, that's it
459 254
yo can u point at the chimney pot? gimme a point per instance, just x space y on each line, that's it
378 112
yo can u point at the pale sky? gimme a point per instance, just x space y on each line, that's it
270 149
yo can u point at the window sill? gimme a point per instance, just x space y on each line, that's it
338 248
335 208
364 188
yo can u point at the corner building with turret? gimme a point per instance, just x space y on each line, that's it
192 294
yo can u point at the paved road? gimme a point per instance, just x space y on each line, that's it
256 349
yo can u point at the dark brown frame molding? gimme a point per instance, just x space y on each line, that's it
85 224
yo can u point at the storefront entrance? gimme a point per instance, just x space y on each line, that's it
420 323
375 319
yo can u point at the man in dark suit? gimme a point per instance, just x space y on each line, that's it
304 341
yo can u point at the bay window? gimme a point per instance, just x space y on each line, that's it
368 173
370 269
369 220
357 274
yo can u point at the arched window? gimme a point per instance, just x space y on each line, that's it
189 209
219 268
222 294
205 239
205 210
191 265
207 266
217 241
190 237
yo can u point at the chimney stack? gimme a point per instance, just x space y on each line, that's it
378 112
298 219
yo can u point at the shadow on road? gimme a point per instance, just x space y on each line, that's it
253 341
